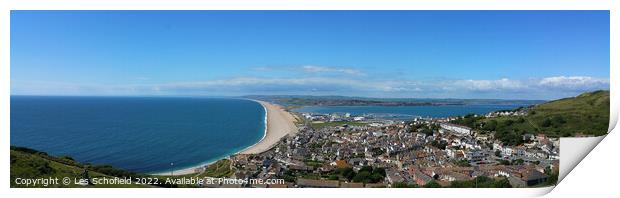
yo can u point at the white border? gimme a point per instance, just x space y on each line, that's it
598 180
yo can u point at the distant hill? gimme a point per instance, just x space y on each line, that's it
306 100
586 114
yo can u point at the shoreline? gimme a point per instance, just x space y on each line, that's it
278 123
265 131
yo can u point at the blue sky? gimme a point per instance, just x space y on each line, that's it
414 54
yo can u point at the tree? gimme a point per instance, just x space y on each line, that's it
362 176
432 184
65 157
349 173
502 183
366 168
380 171
490 125
558 119
376 177
552 176
546 122
427 131
481 182
462 163
504 162
439 144
403 185
517 162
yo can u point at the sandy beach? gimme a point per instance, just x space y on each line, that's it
279 124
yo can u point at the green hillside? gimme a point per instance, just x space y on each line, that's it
32 164
586 114
26 163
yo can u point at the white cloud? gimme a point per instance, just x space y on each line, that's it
542 88
276 84
357 86
573 82
325 69
486 85
312 70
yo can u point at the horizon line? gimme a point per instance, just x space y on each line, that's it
246 96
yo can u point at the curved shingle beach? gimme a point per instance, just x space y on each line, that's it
279 124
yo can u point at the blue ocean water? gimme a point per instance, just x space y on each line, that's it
142 134
434 111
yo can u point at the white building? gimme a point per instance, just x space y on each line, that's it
507 151
456 128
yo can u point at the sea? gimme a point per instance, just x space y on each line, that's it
141 134
409 112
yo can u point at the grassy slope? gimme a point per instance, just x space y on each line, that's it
220 169
26 165
35 164
586 114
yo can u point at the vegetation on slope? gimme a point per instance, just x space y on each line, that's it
32 164
219 169
586 114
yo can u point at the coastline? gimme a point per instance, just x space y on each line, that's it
278 123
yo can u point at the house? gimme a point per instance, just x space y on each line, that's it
455 154
358 162
340 164
299 167
507 151
482 137
475 156
521 151
454 176
497 146
528 178
528 137
463 130
420 178
393 176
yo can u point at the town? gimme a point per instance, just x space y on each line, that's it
348 151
